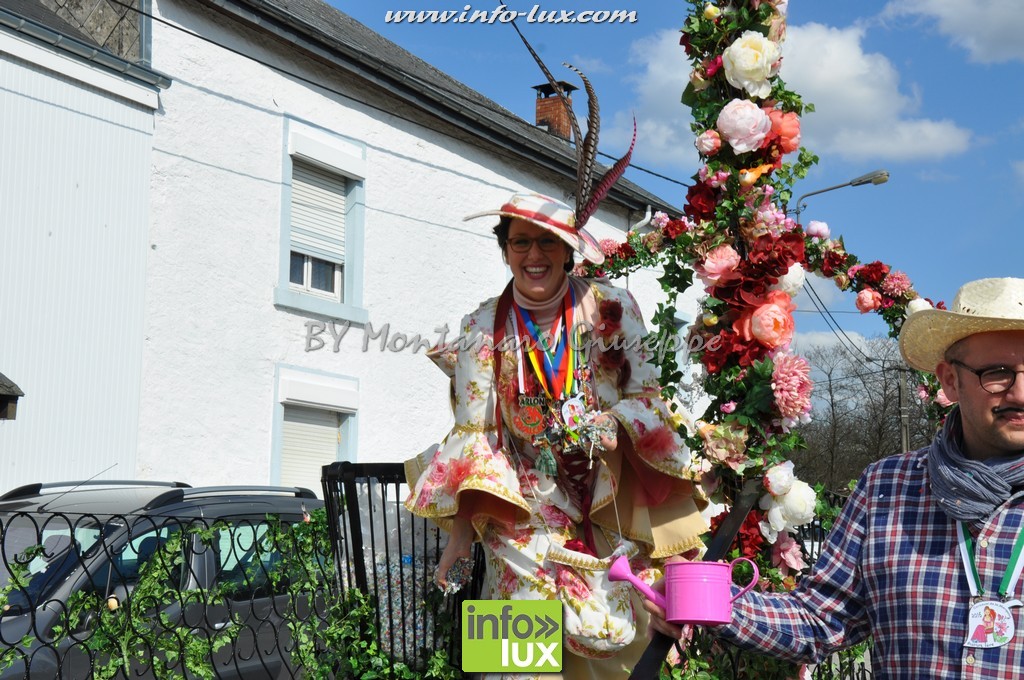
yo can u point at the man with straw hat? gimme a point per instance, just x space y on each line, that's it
926 557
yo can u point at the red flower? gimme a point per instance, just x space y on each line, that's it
700 201
871 274
713 65
749 540
833 263
626 251
674 228
684 40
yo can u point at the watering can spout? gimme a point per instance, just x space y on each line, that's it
620 571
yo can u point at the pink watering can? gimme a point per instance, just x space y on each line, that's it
695 592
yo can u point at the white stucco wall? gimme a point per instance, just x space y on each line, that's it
74 176
214 338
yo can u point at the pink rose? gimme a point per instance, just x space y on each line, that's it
868 300
942 400
786 554
816 229
744 125
728 407
708 143
719 265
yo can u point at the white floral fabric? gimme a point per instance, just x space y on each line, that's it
641 496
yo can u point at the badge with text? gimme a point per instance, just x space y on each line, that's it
500 636
990 624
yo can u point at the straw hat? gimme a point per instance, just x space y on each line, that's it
979 307
552 215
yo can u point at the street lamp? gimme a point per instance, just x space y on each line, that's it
874 177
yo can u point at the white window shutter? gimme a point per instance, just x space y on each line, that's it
318 212
309 441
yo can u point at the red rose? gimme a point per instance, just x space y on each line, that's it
700 201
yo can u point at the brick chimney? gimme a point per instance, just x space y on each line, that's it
551 113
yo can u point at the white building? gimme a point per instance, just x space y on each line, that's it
277 168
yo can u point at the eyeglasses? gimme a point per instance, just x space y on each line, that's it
521 244
993 380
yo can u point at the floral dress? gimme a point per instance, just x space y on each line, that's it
554 535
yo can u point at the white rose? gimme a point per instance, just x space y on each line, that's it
916 305
711 12
779 479
798 504
750 61
792 281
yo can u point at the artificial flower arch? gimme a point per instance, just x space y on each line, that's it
738 239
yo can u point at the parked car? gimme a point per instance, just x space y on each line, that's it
96 537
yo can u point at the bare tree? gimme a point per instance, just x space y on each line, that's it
856 417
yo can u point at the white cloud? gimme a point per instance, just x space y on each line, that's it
989 30
663 123
1018 170
860 112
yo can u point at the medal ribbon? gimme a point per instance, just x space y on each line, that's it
553 365
1013 570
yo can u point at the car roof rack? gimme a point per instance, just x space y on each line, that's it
29 490
297 491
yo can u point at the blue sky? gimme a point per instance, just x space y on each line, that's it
927 89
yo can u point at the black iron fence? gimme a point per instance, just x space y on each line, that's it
339 594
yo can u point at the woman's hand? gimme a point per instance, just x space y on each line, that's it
460 544
609 442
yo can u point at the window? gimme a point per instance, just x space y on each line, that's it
317 258
322 225
311 438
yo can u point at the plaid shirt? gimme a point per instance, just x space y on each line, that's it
890 569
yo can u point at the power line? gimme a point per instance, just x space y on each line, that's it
830 320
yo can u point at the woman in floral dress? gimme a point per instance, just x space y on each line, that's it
563 454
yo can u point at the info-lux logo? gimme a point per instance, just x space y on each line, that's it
501 635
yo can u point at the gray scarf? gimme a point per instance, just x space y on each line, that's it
969 490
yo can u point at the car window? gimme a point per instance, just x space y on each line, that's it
47 551
246 556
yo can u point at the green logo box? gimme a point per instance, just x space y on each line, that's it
506 636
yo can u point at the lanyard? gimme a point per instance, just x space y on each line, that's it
553 364
1013 570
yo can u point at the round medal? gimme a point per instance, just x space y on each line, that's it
529 420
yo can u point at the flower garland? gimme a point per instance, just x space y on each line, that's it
738 239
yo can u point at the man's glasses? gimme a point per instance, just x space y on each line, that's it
521 244
993 380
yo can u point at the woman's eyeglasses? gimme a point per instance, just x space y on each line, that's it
521 244
993 380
